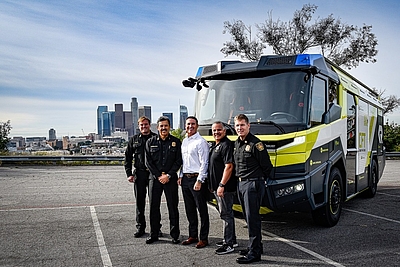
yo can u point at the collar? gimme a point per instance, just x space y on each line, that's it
196 135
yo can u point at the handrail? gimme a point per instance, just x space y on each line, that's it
393 154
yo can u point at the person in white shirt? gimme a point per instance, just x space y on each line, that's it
192 179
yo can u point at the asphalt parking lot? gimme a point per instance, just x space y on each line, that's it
84 216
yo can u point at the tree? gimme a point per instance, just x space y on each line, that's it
391 133
5 128
346 45
389 103
241 45
178 133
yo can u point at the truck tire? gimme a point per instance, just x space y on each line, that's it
329 214
371 191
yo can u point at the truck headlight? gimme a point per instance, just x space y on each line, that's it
290 190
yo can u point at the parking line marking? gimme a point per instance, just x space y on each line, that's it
374 216
290 243
312 253
76 206
100 240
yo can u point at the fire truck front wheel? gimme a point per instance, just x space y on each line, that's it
329 214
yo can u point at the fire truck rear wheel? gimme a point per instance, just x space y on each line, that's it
371 191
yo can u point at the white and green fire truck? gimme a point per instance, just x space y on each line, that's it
322 127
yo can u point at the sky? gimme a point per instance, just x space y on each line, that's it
60 60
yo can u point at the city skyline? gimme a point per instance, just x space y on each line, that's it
59 60
52 132
109 121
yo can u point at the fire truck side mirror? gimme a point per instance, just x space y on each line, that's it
334 112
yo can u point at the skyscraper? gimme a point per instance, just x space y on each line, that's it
112 116
119 116
170 116
183 114
100 110
106 124
52 134
145 111
128 122
135 113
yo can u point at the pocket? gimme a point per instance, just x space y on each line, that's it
247 155
154 149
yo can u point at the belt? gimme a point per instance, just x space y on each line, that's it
241 179
191 175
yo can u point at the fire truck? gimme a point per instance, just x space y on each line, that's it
322 127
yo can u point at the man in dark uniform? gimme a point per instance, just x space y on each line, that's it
138 173
253 166
223 183
163 159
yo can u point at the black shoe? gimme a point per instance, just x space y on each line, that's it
247 259
244 252
221 243
139 233
175 241
160 234
151 239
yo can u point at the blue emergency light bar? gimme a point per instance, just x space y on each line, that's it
307 59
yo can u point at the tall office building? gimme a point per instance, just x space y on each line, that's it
112 114
106 124
128 122
135 113
100 111
52 134
170 115
119 116
145 111
183 114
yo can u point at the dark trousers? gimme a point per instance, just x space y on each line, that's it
251 194
196 201
140 189
170 190
226 213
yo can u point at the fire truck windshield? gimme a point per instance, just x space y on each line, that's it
280 98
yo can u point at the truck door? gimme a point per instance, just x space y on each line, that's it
362 144
351 144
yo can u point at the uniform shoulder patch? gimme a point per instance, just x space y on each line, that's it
260 146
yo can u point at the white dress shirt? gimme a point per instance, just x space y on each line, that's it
195 151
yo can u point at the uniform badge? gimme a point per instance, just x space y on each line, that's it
248 148
217 148
260 146
173 144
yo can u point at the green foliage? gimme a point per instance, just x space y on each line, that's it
391 137
344 44
5 128
178 133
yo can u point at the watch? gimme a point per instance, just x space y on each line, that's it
221 185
